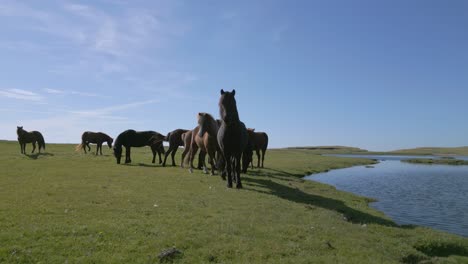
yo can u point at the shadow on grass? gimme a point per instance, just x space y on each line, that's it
311 200
36 155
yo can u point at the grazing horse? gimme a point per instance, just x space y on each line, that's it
260 144
175 141
131 138
232 137
204 137
29 137
187 139
96 138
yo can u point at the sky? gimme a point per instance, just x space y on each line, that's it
380 75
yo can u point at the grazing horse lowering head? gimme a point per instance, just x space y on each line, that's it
228 106
118 153
109 142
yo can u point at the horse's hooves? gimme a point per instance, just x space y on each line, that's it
229 185
239 186
190 170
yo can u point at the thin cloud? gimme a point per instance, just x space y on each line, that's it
105 112
21 95
54 91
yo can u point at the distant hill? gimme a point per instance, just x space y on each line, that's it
433 151
332 149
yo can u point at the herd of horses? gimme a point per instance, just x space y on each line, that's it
227 142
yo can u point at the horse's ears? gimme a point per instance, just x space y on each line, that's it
222 92
233 92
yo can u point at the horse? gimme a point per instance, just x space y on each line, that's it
131 138
204 137
247 155
29 137
175 141
232 137
96 138
187 139
260 144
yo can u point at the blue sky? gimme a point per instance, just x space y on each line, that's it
379 75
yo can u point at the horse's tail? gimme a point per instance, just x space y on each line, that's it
167 136
265 135
79 147
40 141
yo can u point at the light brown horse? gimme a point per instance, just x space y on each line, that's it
187 140
204 137
97 138
260 143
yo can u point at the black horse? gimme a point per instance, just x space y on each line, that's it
232 137
29 137
96 138
175 141
131 138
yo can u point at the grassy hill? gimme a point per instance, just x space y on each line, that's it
433 151
64 206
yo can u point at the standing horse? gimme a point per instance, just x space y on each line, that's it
29 137
131 138
204 137
175 141
232 136
187 139
96 138
247 155
260 144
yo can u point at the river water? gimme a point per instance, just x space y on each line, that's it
428 195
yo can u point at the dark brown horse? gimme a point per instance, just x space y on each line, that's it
131 138
95 138
175 141
204 137
247 155
29 137
232 137
260 144
187 139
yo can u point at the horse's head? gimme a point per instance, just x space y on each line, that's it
109 142
206 123
118 153
19 129
228 106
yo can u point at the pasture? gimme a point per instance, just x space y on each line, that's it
67 207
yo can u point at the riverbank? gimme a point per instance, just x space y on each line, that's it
443 161
69 206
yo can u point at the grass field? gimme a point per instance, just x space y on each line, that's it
68 207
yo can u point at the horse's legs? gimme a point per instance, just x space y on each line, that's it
153 149
193 151
186 150
258 157
160 152
229 170
237 172
127 155
100 148
201 159
173 154
21 147
167 154
87 144
97 149
34 146
263 156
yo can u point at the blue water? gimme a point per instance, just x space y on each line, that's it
429 195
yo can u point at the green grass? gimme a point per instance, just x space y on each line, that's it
75 208
443 161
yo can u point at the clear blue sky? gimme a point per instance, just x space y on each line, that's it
379 75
